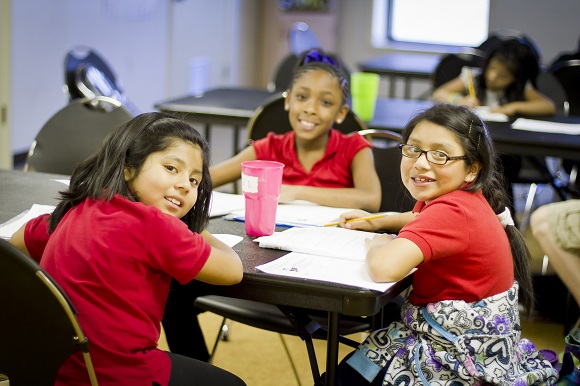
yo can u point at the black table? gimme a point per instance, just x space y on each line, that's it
393 114
19 190
227 106
405 65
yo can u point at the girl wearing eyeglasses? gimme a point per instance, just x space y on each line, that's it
460 323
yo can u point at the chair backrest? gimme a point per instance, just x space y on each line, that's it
551 87
88 75
271 117
387 157
38 327
451 64
72 134
301 38
568 74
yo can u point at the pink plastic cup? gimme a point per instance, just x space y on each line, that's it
261 182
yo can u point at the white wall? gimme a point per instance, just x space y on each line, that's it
148 43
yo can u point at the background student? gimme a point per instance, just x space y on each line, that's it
507 84
460 323
556 228
322 165
133 218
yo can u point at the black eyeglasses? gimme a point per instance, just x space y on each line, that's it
434 156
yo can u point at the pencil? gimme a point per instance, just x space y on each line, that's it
331 224
470 84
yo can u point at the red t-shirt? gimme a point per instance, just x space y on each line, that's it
466 251
115 261
333 170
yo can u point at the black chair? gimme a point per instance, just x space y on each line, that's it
88 75
307 324
568 74
387 157
38 327
550 86
73 133
271 117
451 64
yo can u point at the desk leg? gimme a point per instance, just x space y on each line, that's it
236 139
407 88
207 132
332 348
392 86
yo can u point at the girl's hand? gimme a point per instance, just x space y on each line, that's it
363 225
378 241
509 109
288 193
468 101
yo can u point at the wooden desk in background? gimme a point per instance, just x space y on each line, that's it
404 65
19 190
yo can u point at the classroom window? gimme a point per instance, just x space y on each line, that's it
460 23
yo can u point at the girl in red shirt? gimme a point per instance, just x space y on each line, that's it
460 324
133 218
322 165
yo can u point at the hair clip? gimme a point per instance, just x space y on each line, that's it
316 56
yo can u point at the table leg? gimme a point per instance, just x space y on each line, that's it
332 348
236 139
407 88
207 132
392 88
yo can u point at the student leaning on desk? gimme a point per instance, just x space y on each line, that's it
133 218
322 165
460 324
505 84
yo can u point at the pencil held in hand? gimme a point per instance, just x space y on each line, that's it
470 84
332 224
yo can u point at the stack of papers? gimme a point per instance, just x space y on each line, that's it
334 255
224 203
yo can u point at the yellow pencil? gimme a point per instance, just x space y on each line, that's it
470 84
331 224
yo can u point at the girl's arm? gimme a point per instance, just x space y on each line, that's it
230 170
223 267
389 260
17 239
453 92
536 103
366 193
391 223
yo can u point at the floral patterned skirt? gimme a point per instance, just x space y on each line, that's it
453 343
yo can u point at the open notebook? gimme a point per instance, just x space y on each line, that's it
334 255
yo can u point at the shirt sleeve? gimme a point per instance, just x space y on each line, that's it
175 249
36 236
438 230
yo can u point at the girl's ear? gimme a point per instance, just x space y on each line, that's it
341 114
473 172
129 173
